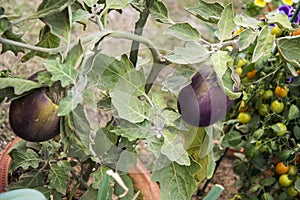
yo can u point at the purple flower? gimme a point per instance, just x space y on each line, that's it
289 11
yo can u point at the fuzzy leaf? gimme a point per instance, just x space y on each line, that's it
179 78
20 86
57 18
293 112
129 106
220 60
173 149
184 31
160 12
226 24
24 159
209 12
190 54
58 176
288 49
246 21
117 4
70 102
63 72
31 179
281 20
176 181
246 38
132 131
264 45
47 40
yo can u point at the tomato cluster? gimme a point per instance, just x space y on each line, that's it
267 128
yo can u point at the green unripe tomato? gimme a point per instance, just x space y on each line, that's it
277 106
267 94
291 191
280 129
263 109
285 181
276 31
244 117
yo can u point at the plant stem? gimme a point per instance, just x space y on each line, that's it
139 27
30 47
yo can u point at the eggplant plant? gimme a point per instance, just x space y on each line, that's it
91 116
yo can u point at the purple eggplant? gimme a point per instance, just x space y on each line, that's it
203 102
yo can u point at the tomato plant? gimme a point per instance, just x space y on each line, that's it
244 117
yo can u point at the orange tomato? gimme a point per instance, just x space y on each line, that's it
251 74
281 91
298 71
296 32
281 168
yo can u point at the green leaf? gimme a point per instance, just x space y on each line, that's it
160 12
20 86
98 176
75 55
50 7
226 24
107 72
246 21
297 184
176 181
226 78
70 102
4 24
281 20
246 38
131 131
220 60
63 72
90 194
32 179
264 45
173 148
9 34
47 40
184 31
190 54
90 3
293 112
129 107
80 14
209 12
296 131
288 49
179 78
154 144
233 138
103 192
117 4
58 176
268 181
24 159
58 19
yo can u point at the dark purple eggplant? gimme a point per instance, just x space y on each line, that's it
203 102
33 117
